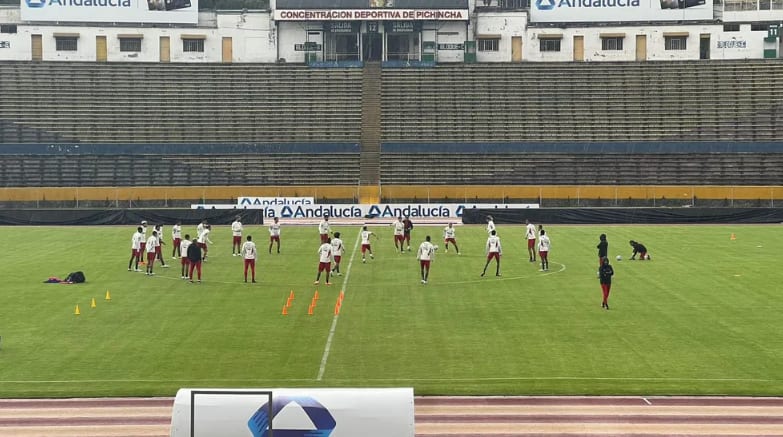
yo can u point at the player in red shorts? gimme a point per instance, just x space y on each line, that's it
236 234
639 248
530 234
203 239
249 255
543 249
425 256
274 235
136 249
152 244
399 234
194 258
407 228
337 253
176 239
494 251
159 246
450 236
184 261
365 235
325 259
324 229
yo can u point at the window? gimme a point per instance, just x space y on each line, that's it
759 27
488 44
676 42
7 28
612 43
549 44
763 5
130 44
66 43
733 27
192 45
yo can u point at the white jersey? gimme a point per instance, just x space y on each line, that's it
176 232
399 227
183 247
366 237
144 231
490 226
493 244
543 244
449 232
159 230
337 247
274 229
204 237
530 231
426 251
200 229
325 253
249 250
152 243
323 227
136 240
236 229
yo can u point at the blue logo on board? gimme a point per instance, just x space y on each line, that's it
545 5
320 417
35 3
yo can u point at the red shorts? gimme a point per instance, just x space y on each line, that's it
237 239
150 257
425 263
158 250
531 243
643 255
398 238
135 253
274 238
543 253
184 260
337 259
250 262
324 266
143 246
202 245
450 240
493 255
177 241
366 247
324 237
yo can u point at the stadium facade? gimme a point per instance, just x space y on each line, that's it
395 31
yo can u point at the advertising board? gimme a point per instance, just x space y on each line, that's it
111 11
562 11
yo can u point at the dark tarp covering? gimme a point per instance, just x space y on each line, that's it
626 215
167 216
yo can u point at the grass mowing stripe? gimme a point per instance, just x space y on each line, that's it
328 346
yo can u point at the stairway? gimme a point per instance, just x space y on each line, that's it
370 161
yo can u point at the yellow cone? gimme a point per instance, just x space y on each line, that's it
76 311
92 303
108 295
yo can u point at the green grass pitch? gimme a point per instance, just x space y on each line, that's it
703 317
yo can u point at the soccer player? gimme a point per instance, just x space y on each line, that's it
203 239
449 236
494 251
425 256
249 255
399 234
236 232
640 249
407 228
530 233
325 261
605 273
543 250
176 238
337 252
490 224
143 239
274 234
136 253
159 246
184 260
200 228
324 229
151 247
194 259
603 249
365 235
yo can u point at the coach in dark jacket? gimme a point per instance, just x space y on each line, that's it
194 256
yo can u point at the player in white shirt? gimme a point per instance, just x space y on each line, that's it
490 224
337 253
425 256
143 240
543 250
324 229
152 245
176 240
203 239
159 247
184 260
530 234
450 236
135 249
274 234
494 251
325 259
365 235
236 233
399 234
249 255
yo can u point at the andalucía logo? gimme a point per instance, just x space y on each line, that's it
545 5
320 417
35 3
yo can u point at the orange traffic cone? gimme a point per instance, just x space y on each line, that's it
315 296
310 310
291 295
285 310
337 308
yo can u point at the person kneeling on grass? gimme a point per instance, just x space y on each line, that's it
640 249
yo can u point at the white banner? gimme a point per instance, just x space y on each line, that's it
370 14
560 11
382 210
266 201
111 11
294 412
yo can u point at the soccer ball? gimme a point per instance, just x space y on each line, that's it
619 258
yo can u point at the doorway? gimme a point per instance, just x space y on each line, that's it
228 50
37 47
516 49
704 46
101 54
165 49
372 47
641 47
579 48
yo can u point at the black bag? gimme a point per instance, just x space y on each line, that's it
75 277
